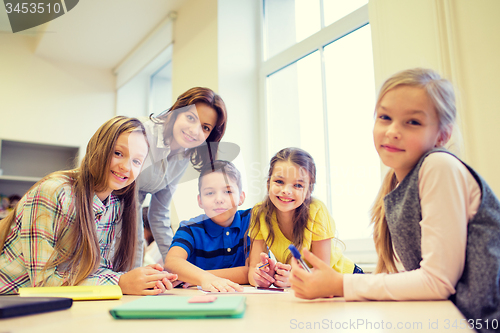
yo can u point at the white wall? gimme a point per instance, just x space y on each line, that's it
47 102
477 53
459 39
195 47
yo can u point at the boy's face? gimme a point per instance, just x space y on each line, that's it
220 197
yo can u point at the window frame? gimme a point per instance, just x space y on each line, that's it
362 250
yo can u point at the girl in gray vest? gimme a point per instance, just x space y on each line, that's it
436 221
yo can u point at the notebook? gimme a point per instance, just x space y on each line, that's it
169 307
12 306
77 293
250 290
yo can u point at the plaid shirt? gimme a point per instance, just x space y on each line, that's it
42 214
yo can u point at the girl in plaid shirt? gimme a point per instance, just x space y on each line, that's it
78 227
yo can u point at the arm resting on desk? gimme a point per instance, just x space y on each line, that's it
176 262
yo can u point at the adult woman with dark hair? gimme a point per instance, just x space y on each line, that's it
78 227
196 121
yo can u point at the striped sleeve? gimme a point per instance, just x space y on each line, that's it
184 238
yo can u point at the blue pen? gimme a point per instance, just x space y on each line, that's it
297 256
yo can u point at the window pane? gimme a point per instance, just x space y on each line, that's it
161 89
288 22
295 113
150 90
354 163
334 10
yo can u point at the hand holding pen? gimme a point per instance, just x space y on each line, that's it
282 275
298 257
264 271
322 281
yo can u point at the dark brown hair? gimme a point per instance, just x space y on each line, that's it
200 155
224 167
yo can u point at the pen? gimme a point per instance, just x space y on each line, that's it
262 266
297 256
271 289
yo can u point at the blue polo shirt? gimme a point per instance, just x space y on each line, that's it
210 246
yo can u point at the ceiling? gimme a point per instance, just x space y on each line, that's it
97 33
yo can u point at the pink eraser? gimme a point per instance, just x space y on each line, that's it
202 299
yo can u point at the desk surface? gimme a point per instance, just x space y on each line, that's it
269 312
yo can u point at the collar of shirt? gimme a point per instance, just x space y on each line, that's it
99 207
159 146
214 230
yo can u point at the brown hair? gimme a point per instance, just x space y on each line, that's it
440 92
224 167
200 155
304 160
78 246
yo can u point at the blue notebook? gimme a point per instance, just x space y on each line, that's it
12 306
178 307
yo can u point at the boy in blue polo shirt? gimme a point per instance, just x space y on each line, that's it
209 250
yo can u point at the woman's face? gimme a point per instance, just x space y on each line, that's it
192 127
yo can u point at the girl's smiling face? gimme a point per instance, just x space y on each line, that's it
192 127
406 127
126 162
288 186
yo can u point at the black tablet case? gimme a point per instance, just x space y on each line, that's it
13 306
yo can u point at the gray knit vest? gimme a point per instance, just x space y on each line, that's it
478 290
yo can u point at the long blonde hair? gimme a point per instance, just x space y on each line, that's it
78 245
440 92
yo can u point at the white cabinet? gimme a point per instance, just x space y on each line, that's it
22 164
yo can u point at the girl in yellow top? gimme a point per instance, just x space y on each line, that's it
289 215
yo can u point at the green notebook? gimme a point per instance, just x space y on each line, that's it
178 307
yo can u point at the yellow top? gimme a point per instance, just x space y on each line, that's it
319 227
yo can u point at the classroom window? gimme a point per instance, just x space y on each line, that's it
150 90
334 10
295 106
319 95
354 163
289 22
160 95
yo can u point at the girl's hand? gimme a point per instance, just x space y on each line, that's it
323 281
149 280
178 282
167 282
264 276
217 284
282 275
184 284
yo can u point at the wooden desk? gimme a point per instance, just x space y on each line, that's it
270 312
